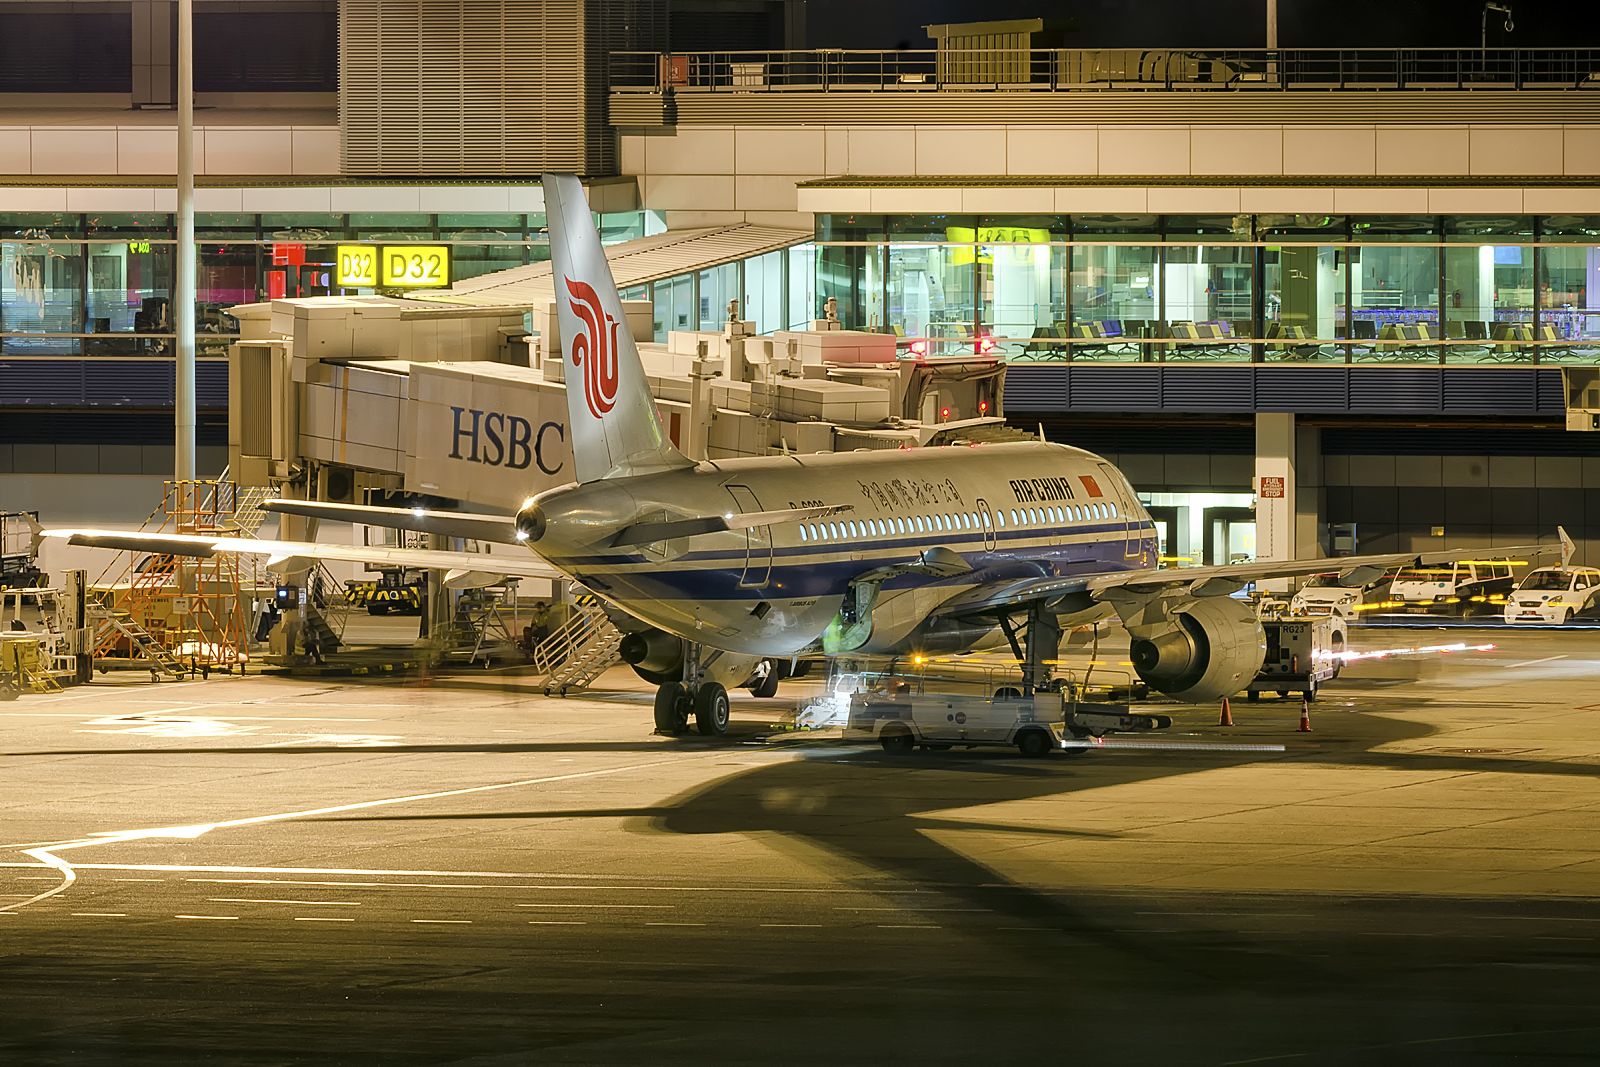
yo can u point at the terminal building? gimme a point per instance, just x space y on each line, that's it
1310 300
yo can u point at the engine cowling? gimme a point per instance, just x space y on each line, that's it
655 655
1212 649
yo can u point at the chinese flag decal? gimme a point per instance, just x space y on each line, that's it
1090 484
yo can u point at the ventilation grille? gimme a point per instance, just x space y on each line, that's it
483 87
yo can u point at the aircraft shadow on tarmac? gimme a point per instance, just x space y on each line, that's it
873 812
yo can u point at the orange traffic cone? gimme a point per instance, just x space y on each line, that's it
1305 715
1227 714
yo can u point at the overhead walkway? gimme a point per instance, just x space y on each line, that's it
633 263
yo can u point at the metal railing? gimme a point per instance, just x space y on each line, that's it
1068 69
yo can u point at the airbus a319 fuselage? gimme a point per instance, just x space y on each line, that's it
1013 510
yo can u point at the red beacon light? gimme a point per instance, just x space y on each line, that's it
919 348
983 407
944 414
986 345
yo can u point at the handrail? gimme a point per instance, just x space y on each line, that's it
1074 69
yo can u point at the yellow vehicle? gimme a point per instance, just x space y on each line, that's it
392 592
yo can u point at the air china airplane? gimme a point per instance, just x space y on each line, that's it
724 566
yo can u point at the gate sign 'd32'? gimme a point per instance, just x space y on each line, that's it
393 266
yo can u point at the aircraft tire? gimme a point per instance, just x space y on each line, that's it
711 710
672 716
767 687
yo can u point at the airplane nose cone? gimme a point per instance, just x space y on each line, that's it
531 524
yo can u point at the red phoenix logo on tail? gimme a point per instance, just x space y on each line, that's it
595 350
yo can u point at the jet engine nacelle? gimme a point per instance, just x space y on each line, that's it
655 655
1213 649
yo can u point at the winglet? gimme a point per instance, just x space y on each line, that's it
35 533
1567 547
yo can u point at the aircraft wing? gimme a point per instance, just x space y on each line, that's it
462 568
1123 587
500 529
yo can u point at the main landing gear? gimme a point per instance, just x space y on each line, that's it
708 701
699 693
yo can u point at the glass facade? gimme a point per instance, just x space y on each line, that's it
101 285
1242 288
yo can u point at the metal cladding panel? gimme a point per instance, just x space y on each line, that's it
41 382
1115 388
1207 388
211 384
1490 391
131 384
1408 390
1037 388
482 87
1309 389
1550 392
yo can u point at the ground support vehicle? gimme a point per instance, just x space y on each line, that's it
1554 595
18 565
903 712
1303 652
392 592
1470 587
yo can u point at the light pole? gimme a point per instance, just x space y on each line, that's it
183 296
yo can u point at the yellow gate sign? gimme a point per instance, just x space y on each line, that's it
357 267
416 266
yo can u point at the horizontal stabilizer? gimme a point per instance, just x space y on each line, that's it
501 529
646 533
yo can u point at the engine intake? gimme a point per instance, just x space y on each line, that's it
1212 649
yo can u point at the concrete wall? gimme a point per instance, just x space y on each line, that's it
705 173
1478 500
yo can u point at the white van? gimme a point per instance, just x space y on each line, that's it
1554 595
1463 588
902 721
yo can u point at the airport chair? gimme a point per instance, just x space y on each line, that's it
1462 353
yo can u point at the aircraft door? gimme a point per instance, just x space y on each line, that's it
986 521
1126 510
757 541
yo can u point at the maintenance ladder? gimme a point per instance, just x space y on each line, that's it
580 650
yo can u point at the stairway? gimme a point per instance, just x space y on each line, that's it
581 650
108 626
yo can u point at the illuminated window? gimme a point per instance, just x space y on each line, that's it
965 525
833 530
803 535
1113 508
1061 516
1000 519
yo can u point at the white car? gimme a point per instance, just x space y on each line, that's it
1323 594
1554 595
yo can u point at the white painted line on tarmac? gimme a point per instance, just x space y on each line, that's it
1536 662
791 926
443 922
908 926
69 875
229 918
258 900
557 922
320 919
607 907
924 911
674 924
100 914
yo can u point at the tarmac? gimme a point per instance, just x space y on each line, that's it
453 868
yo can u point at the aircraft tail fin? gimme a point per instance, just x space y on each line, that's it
612 423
